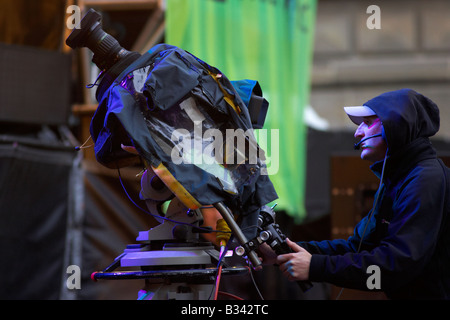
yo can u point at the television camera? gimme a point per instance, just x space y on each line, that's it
161 105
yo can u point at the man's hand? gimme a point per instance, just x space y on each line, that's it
295 266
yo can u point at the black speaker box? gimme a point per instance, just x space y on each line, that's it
34 85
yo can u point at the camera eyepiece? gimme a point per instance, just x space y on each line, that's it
107 50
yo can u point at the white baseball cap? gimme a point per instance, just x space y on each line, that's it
357 113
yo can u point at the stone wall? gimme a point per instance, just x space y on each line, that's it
353 63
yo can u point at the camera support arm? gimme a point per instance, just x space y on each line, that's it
242 239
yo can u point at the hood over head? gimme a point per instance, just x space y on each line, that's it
406 116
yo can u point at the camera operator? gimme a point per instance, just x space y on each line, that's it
406 233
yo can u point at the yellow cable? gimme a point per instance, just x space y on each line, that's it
223 233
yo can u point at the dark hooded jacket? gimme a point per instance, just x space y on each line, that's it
408 236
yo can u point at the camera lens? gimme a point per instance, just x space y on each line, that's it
107 50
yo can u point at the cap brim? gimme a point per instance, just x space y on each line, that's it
357 113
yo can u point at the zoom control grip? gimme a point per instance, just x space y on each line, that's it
273 236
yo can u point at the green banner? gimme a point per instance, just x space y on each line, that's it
270 41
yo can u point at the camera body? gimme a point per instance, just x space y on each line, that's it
157 101
161 98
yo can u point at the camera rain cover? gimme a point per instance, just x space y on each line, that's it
189 124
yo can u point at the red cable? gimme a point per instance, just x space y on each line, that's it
230 295
219 272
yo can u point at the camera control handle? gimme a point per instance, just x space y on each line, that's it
275 238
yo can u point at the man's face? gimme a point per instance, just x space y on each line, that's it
373 149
